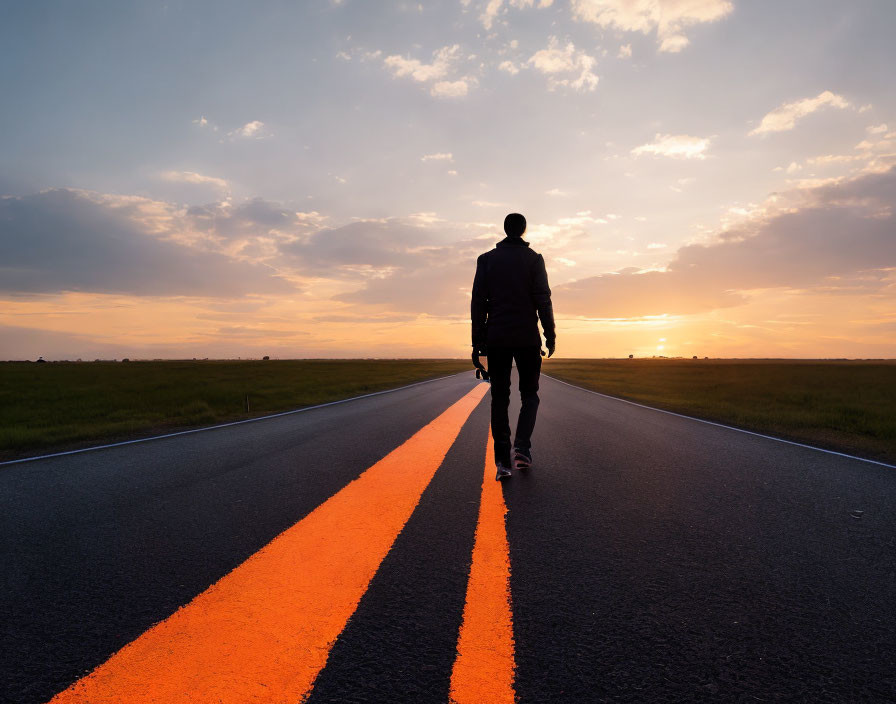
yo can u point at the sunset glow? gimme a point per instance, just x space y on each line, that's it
711 178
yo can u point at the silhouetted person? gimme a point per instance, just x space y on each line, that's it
510 295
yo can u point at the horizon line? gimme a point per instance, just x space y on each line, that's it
119 360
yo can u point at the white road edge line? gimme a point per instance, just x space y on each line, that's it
225 425
722 425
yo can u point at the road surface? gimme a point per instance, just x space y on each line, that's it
360 552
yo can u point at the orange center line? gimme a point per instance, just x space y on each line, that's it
484 668
264 631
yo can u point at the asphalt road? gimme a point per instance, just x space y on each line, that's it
652 558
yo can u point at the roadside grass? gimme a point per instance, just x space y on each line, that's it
842 405
60 405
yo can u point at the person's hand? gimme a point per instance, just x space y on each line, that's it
551 345
481 371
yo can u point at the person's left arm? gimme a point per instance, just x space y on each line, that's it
541 295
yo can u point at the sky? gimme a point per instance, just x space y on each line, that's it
316 179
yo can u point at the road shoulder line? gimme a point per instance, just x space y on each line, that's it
722 425
224 425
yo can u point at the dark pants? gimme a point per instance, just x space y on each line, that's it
528 366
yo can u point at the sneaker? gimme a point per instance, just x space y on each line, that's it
522 459
503 471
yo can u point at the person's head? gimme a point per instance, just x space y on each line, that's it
514 225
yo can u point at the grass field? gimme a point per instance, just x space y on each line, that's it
842 405
64 404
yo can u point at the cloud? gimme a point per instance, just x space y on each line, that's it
583 217
841 232
792 168
488 204
437 73
203 122
490 12
366 318
625 52
443 62
250 220
193 177
682 184
786 116
438 156
452 89
251 130
404 266
879 149
669 18
557 60
509 67
830 159
361 249
674 43
493 8
440 289
264 333
66 240
679 146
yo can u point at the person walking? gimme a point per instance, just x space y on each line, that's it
510 295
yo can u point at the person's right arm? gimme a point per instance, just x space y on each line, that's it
541 295
479 306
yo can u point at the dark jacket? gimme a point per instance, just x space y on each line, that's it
510 295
